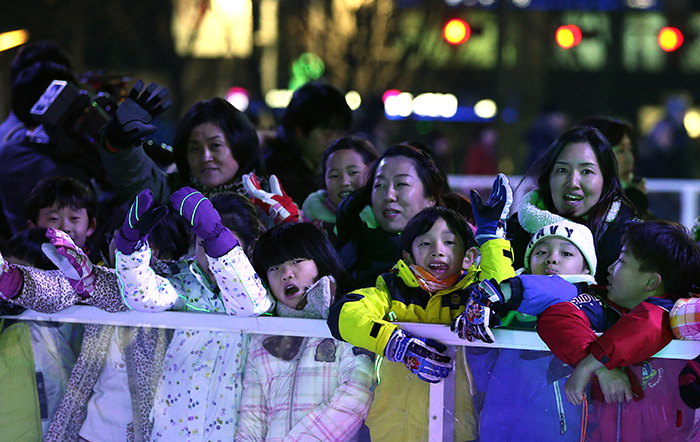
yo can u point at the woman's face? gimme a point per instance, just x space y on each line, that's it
209 156
345 169
397 193
625 159
576 180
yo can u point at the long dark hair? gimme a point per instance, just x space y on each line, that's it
238 130
300 240
612 189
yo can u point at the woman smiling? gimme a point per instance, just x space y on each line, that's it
575 179
402 182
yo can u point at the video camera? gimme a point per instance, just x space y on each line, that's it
63 107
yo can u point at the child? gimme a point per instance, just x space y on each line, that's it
63 203
343 169
565 249
522 389
658 264
199 394
51 291
298 388
45 346
426 286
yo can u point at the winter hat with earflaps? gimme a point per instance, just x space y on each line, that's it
578 234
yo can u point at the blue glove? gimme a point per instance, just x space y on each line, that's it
139 222
205 221
424 357
131 121
491 217
476 321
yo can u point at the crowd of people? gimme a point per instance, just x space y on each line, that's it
316 223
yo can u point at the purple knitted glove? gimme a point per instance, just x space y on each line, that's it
71 261
139 222
205 221
10 279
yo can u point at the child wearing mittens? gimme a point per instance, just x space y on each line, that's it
298 388
199 394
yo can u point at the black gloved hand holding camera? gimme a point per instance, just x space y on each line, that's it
132 119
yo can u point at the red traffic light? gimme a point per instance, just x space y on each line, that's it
670 39
568 36
456 31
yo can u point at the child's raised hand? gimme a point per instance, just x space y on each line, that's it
139 222
491 216
205 221
277 204
424 357
71 261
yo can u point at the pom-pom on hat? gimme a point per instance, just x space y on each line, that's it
578 234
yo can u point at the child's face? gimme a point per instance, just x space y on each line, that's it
439 251
557 256
74 222
289 280
626 282
344 173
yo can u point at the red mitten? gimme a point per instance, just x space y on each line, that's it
277 204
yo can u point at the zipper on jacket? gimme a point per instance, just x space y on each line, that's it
294 386
560 408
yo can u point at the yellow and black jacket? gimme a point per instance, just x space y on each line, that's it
366 317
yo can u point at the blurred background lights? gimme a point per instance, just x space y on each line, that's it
640 4
390 93
399 105
568 36
239 98
485 109
691 121
435 105
9 40
278 98
456 31
353 99
521 3
670 39
231 7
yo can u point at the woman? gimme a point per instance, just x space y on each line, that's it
620 134
403 181
575 179
214 145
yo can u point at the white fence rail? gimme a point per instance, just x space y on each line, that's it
442 395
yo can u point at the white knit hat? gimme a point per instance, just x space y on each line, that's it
578 234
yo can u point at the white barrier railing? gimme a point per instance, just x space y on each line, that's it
687 190
516 339
441 395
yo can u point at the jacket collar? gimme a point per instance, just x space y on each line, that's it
532 214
